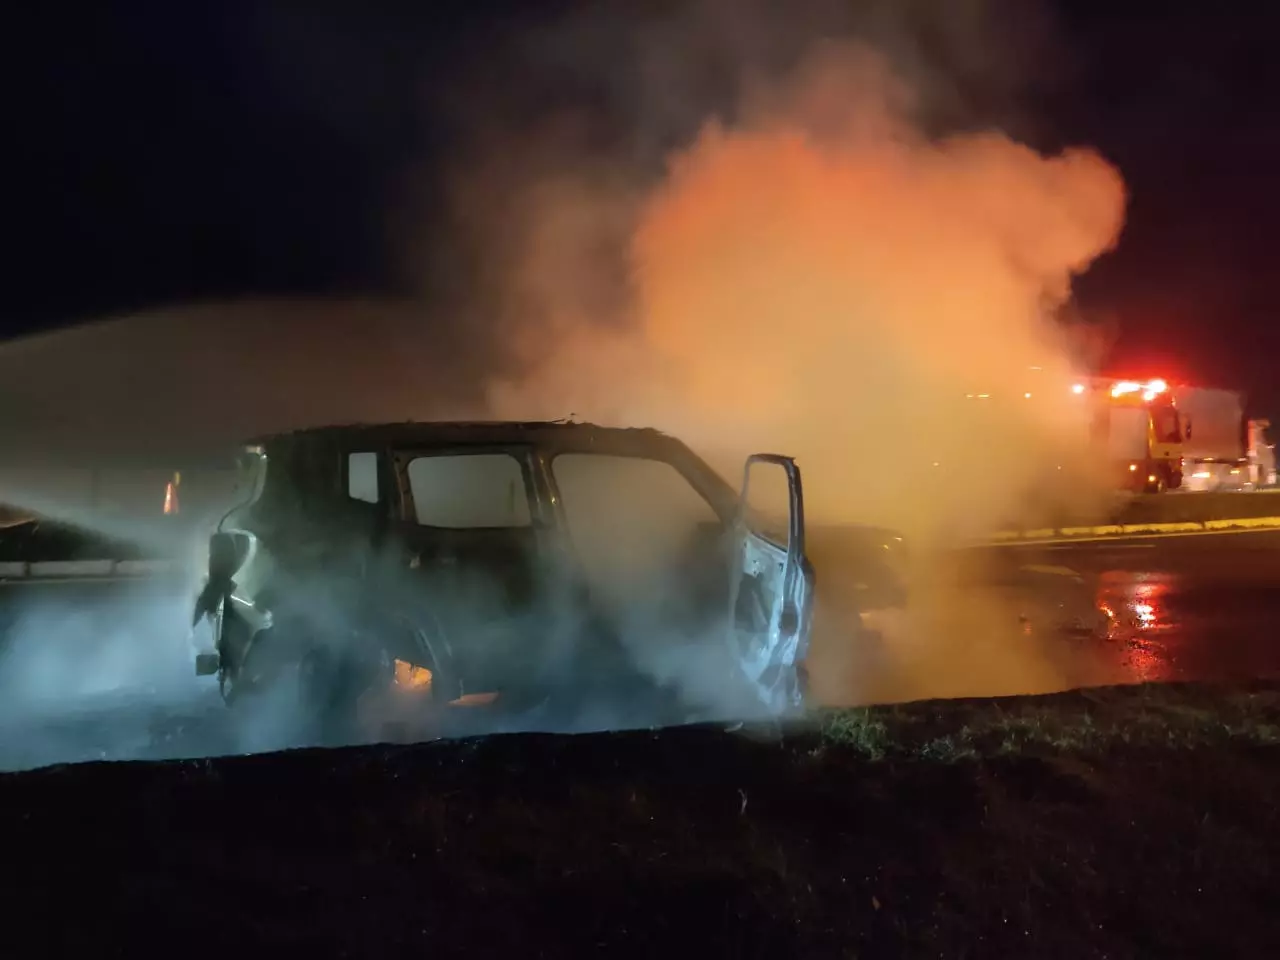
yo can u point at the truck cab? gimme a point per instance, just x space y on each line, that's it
1138 429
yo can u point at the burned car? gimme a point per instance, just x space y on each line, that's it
412 568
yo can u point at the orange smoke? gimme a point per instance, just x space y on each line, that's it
823 279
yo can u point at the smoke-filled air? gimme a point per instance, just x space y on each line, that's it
821 278
813 270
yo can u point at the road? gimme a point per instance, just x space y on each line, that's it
1197 607
106 674
95 669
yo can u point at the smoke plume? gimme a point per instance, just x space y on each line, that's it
842 266
822 278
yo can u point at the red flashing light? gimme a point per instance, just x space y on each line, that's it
1149 390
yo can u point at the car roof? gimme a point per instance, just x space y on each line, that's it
562 434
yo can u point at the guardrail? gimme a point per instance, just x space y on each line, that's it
26 571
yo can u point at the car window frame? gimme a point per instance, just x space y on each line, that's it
406 508
691 476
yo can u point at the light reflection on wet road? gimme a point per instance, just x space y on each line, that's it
1182 608
1036 619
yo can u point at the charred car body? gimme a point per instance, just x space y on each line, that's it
522 566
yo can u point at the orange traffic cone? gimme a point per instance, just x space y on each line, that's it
171 494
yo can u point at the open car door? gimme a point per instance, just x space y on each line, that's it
771 582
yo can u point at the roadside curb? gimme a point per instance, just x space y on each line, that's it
1121 531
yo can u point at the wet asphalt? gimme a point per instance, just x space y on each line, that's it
1185 607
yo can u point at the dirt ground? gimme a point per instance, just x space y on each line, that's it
1117 823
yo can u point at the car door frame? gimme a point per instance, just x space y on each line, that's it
773 664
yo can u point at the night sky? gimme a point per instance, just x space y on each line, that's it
159 152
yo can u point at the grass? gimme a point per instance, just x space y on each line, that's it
1163 715
1121 823
861 729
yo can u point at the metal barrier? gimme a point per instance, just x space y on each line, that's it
27 571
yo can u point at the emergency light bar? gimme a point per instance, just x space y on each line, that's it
1149 390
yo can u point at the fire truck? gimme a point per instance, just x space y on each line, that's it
1156 437
1136 430
1125 434
1145 436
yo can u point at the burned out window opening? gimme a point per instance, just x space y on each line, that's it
362 477
672 531
481 490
